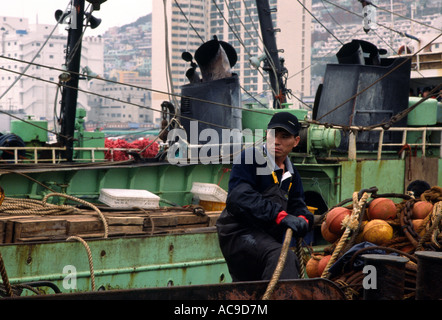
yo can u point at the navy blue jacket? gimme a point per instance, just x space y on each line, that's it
251 175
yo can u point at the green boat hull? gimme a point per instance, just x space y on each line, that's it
119 263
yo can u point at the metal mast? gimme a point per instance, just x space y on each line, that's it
70 92
276 69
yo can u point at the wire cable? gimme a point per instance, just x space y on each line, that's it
35 56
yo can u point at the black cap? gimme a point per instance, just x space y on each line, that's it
286 121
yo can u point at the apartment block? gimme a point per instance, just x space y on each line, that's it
35 92
189 23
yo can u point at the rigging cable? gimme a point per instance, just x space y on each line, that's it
123 84
36 55
170 86
190 23
326 29
193 28
382 25
127 102
256 43
145 89
379 79
242 43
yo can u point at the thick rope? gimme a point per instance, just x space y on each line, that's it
100 214
5 278
434 229
300 253
16 206
351 224
89 256
279 266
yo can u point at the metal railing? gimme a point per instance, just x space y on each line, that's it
424 144
33 154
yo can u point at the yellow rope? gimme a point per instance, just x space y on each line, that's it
300 253
433 231
5 278
16 206
100 214
350 224
89 256
279 266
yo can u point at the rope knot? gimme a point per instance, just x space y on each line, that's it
351 222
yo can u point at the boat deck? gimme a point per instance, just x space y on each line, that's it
88 224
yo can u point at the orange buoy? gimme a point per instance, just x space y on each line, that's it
311 267
323 263
377 231
382 208
417 224
327 235
334 219
421 209
359 237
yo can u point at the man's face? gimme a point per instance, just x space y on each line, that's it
280 142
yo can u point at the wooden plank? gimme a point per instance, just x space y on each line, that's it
160 221
126 229
83 224
189 218
35 227
213 216
125 220
9 227
421 169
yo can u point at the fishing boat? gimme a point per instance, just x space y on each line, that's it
143 228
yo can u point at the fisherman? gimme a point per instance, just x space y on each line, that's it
417 187
265 198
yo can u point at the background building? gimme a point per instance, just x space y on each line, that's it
192 22
22 42
129 107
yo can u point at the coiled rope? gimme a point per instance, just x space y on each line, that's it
100 214
15 206
351 223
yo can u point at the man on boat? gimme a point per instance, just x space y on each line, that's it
265 198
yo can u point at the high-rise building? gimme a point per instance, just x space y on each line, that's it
193 22
34 93
130 103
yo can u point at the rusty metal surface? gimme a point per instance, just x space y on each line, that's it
390 274
304 289
429 276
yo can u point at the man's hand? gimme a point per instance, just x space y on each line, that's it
297 224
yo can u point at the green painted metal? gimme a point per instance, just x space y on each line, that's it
322 179
171 183
259 117
182 259
323 138
87 139
31 130
425 114
120 263
386 175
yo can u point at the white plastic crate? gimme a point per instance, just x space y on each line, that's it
209 192
128 198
